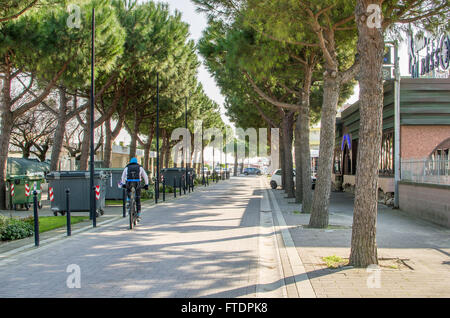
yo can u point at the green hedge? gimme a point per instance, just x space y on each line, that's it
13 229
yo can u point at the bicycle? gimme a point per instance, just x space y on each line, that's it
132 206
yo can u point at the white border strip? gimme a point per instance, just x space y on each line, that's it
304 287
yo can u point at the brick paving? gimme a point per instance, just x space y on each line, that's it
204 245
228 241
423 247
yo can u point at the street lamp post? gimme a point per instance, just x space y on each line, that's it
397 163
203 162
186 156
92 167
157 140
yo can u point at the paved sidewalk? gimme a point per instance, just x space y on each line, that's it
202 245
112 213
415 254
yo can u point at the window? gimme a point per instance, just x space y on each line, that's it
440 164
386 166
337 163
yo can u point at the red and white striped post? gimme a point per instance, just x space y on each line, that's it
51 195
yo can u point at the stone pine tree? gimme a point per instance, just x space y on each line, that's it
325 25
13 9
41 44
373 18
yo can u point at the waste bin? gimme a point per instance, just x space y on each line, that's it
175 173
79 184
172 175
8 197
20 191
113 189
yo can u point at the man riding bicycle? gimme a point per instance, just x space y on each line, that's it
133 173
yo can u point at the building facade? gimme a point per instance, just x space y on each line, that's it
424 140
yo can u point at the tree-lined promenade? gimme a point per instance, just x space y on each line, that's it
280 64
279 54
45 67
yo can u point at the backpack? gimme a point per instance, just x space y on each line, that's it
133 172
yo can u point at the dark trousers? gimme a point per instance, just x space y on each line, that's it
137 198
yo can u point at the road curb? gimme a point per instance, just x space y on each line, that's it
302 282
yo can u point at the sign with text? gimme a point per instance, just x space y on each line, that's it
429 56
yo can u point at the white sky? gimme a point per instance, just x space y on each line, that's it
198 23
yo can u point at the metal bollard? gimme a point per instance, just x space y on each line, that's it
69 224
174 187
164 189
124 203
94 203
36 219
188 182
156 192
180 185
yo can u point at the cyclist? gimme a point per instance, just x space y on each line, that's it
133 172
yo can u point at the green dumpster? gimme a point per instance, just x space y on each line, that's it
21 189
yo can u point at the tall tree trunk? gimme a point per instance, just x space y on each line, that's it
298 162
167 155
303 121
84 156
134 136
7 120
43 149
26 150
163 149
371 50
107 157
147 147
58 138
321 201
111 135
282 163
287 125
235 168
5 135
305 159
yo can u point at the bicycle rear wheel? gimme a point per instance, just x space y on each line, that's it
132 212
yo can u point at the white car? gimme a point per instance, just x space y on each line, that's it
275 180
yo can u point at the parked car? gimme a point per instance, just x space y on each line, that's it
248 171
275 180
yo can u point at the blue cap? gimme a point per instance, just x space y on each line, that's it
133 160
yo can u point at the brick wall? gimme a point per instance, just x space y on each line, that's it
429 202
417 142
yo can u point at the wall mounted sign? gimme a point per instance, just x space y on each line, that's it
428 54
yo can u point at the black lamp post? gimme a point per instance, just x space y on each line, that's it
157 140
186 145
92 167
203 162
